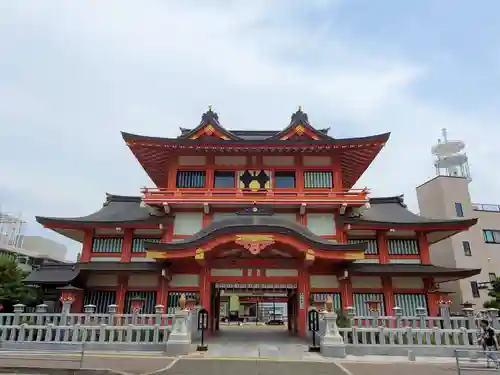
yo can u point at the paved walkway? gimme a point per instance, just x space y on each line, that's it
257 342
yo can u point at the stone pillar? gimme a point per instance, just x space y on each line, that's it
179 341
493 317
469 314
444 311
159 311
112 311
42 308
89 310
332 343
18 310
422 317
398 313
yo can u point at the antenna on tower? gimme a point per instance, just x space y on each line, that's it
450 160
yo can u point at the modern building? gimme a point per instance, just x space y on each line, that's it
29 251
447 196
261 212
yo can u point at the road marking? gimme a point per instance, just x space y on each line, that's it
264 359
168 367
343 368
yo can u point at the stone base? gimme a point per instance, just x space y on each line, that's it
333 351
178 347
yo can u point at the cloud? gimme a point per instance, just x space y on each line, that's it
76 73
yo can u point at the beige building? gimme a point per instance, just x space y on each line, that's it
479 247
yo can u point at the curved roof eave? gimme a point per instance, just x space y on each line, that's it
159 141
116 210
438 224
411 269
254 224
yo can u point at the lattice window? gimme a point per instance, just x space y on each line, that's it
318 180
372 248
149 298
101 299
107 245
173 299
138 244
409 302
321 297
403 247
191 179
361 305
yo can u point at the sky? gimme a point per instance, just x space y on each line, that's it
73 74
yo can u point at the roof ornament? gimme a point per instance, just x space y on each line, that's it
209 116
300 117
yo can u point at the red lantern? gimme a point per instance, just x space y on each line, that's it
67 296
373 306
136 304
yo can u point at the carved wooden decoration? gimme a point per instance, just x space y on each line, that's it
254 243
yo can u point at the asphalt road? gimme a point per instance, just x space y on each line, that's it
156 364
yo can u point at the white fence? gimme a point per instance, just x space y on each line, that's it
392 335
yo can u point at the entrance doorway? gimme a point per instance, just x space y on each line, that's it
254 305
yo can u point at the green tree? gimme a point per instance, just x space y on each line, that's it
494 293
12 288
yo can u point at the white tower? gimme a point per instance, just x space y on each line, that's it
450 160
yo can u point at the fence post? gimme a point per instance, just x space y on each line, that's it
159 311
351 313
444 309
398 313
112 310
18 310
493 317
88 310
422 317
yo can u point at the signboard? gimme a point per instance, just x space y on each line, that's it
313 320
202 320
301 300
255 286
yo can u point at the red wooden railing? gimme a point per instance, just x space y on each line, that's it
326 196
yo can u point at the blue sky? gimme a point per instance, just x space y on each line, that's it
75 73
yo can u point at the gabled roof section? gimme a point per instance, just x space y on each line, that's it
155 153
300 129
392 213
56 274
209 128
116 210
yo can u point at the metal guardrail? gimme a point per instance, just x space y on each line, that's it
476 360
72 357
486 207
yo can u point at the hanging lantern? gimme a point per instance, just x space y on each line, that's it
136 304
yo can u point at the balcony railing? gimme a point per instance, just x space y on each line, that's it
281 196
486 207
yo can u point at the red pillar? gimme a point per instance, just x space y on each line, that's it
205 288
432 299
303 300
77 305
120 293
423 244
346 293
383 247
87 245
388 295
161 291
127 245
